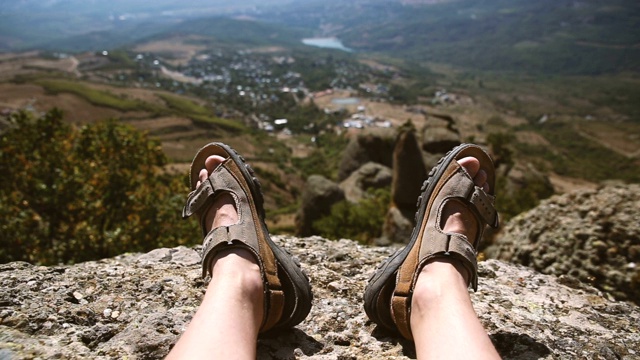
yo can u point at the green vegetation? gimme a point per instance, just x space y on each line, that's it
524 36
75 194
526 198
325 158
120 59
216 122
246 32
501 144
199 114
521 197
183 106
362 221
576 156
93 96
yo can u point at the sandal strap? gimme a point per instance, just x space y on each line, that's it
483 205
458 186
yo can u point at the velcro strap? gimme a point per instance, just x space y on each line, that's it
401 310
198 199
461 249
483 203
461 185
452 244
273 308
218 238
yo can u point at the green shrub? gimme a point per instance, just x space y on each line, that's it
325 158
526 198
93 96
183 105
70 195
519 199
502 147
362 221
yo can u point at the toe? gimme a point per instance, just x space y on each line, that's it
481 178
471 165
212 162
202 176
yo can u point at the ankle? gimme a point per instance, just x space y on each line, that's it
438 278
239 268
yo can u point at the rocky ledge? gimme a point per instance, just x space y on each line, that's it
135 306
592 235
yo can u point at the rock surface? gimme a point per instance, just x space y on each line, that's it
372 144
439 134
398 226
369 176
136 306
409 171
318 196
591 235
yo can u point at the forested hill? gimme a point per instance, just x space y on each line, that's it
543 36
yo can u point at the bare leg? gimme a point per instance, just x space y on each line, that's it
227 323
443 322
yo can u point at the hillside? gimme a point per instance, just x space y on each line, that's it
292 110
189 86
548 37
541 37
74 25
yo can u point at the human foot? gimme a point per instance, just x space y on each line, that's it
458 218
455 205
442 318
227 198
223 210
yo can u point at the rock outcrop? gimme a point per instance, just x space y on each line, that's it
591 235
371 145
136 306
318 196
439 134
409 172
369 176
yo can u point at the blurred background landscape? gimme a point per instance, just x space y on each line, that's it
103 105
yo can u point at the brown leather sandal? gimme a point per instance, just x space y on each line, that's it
287 290
389 291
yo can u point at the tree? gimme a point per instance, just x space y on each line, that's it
69 194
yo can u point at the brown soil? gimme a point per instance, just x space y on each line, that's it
563 184
396 114
176 48
622 138
531 138
19 96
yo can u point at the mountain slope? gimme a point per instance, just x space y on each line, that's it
546 36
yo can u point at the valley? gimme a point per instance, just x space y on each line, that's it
291 108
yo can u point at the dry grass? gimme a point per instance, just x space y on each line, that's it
77 110
531 138
177 48
622 138
564 184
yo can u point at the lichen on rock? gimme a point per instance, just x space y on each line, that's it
591 235
136 306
